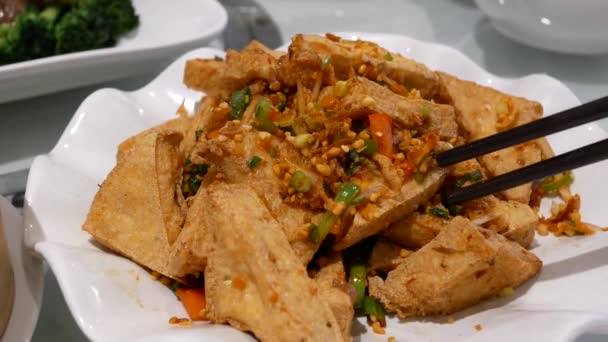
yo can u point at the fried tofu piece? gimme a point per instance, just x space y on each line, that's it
203 74
463 265
188 255
483 111
253 280
331 279
365 97
416 230
375 217
229 157
386 256
222 78
347 57
180 124
136 211
209 116
514 220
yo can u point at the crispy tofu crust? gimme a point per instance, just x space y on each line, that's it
254 280
463 265
483 111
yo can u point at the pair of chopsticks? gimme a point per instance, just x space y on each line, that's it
573 117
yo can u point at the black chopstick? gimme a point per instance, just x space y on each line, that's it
569 118
580 157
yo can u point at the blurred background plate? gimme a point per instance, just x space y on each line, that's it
167 29
28 272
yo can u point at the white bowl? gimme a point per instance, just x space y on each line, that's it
577 27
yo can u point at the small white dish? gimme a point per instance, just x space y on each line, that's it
29 281
575 27
112 298
166 30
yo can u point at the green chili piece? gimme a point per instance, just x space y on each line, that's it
317 233
262 118
439 212
253 162
347 192
358 279
473 176
373 308
371 147
239 102
553 186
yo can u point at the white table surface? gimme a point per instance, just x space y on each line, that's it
32 126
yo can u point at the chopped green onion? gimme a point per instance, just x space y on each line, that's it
218 58
439 212
262 118
388 57
347 192
198 133
373 308
381 82
358 279
253 162
426 112
325 62
318 232
188 162
273 152
371 147
553 186
300 182
341 88
473 176
239 102
301 140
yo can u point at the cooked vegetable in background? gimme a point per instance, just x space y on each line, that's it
46 29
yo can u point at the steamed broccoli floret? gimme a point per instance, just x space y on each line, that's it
94 24
6 53
81 29
122 13
29 36
70 26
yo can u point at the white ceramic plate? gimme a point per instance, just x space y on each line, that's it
166 30
112 298
29 282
